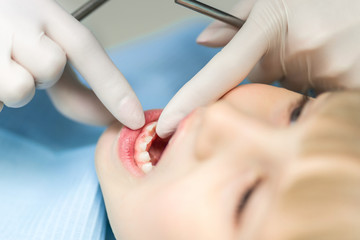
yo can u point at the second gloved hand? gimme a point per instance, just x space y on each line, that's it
304 44
37 38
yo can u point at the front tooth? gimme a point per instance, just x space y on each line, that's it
148 139
144 157
147 167
151 126
143 146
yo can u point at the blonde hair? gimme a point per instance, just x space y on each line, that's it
342 112
326 205
322 206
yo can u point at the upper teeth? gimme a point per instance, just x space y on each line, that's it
143 142
142 156
143 146
151 126
147 167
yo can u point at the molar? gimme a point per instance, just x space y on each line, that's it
151 127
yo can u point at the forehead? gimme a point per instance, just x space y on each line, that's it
254 90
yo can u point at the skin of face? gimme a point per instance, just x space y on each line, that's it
243 142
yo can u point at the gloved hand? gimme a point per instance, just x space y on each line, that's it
77 102
304 44
37 37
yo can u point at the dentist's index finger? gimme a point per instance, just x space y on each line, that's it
90 59
226 70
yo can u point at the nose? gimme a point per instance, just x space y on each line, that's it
263 102
230 133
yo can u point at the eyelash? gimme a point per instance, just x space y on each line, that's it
296 112
246 198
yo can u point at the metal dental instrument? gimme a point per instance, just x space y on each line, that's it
211 12
87 8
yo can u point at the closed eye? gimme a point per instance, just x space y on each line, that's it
296 112
246 198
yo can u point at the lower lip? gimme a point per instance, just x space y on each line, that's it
126 143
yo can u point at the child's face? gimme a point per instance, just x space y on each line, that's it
223 174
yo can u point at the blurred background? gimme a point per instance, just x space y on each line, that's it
120 21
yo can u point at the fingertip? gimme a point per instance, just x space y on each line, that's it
130 113
217 34
135 122
165 126
162 133
208 36
203 38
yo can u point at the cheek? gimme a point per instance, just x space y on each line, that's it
141 214
178 212
152 214
105 148
127 218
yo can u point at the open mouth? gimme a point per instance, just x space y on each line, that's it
141 150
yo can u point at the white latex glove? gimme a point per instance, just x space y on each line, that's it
37 37
303 43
